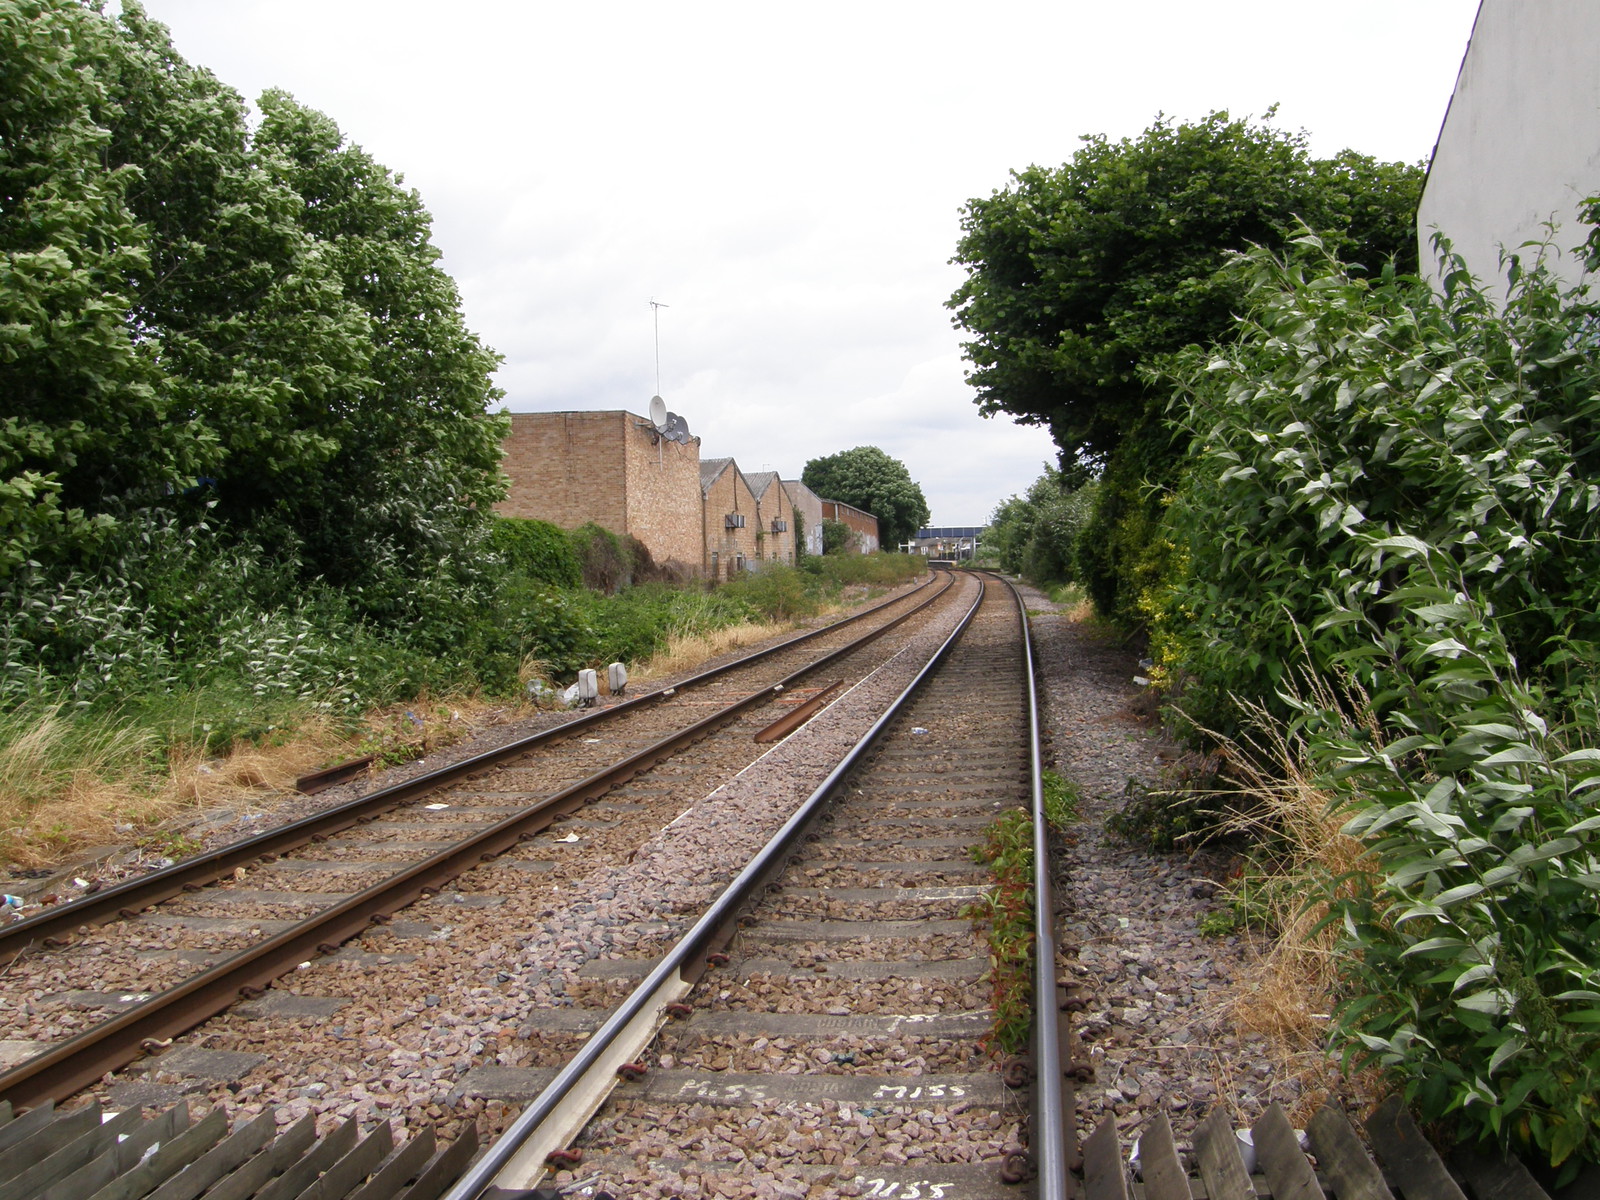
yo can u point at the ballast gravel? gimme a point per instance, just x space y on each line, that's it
1157 1029
469 993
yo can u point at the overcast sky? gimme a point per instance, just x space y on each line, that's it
788 179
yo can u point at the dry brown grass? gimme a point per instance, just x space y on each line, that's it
684 652
1303 858
65 786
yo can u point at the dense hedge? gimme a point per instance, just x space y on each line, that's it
537 549
1399 493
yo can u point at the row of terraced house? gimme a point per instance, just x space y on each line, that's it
707 516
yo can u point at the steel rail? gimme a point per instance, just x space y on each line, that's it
62 1069
684 962
129 898
1053 1127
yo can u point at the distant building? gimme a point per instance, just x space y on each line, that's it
862 524
616 469
775 539
947 541
1520 143
810 506
730 518
611 468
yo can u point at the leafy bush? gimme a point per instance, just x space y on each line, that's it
610 561
881 570
776 592
838 538
1035 533
1402 488
537 549
1358 424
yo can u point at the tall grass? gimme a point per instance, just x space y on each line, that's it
1299 864
123 706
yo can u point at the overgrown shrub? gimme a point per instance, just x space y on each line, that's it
1034 534
838 538
537 549
1358 423
1402 489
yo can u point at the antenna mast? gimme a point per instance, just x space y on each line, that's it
655 313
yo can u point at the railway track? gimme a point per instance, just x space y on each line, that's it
189 941
832 1004
810 1030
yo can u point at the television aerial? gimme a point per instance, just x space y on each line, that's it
667 424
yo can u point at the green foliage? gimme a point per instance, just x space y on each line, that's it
88 421
1082 275
1035 534
537 549
869 479
869 570
778 592
1121 553
609 562
1007 906
416 468
195 311
1084 278
1061 799
1356 421
1166 819
1218 923
1402 488
837 537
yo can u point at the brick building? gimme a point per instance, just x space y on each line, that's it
810 506
775 510
730 518
611 468
863 524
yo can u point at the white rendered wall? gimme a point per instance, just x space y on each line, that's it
1521 141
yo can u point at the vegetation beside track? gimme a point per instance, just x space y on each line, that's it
177 704
1007 908
248 464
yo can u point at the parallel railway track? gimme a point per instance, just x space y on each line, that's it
835 1039
361 861
811 1029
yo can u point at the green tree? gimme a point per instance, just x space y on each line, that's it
89 422
256 333
869 479
1082 280
1035 534
416 466
301 316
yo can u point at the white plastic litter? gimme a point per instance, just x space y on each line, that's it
1247 1149
588 687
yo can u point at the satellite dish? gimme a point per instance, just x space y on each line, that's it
658 413
677 428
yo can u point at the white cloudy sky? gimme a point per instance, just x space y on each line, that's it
788 178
